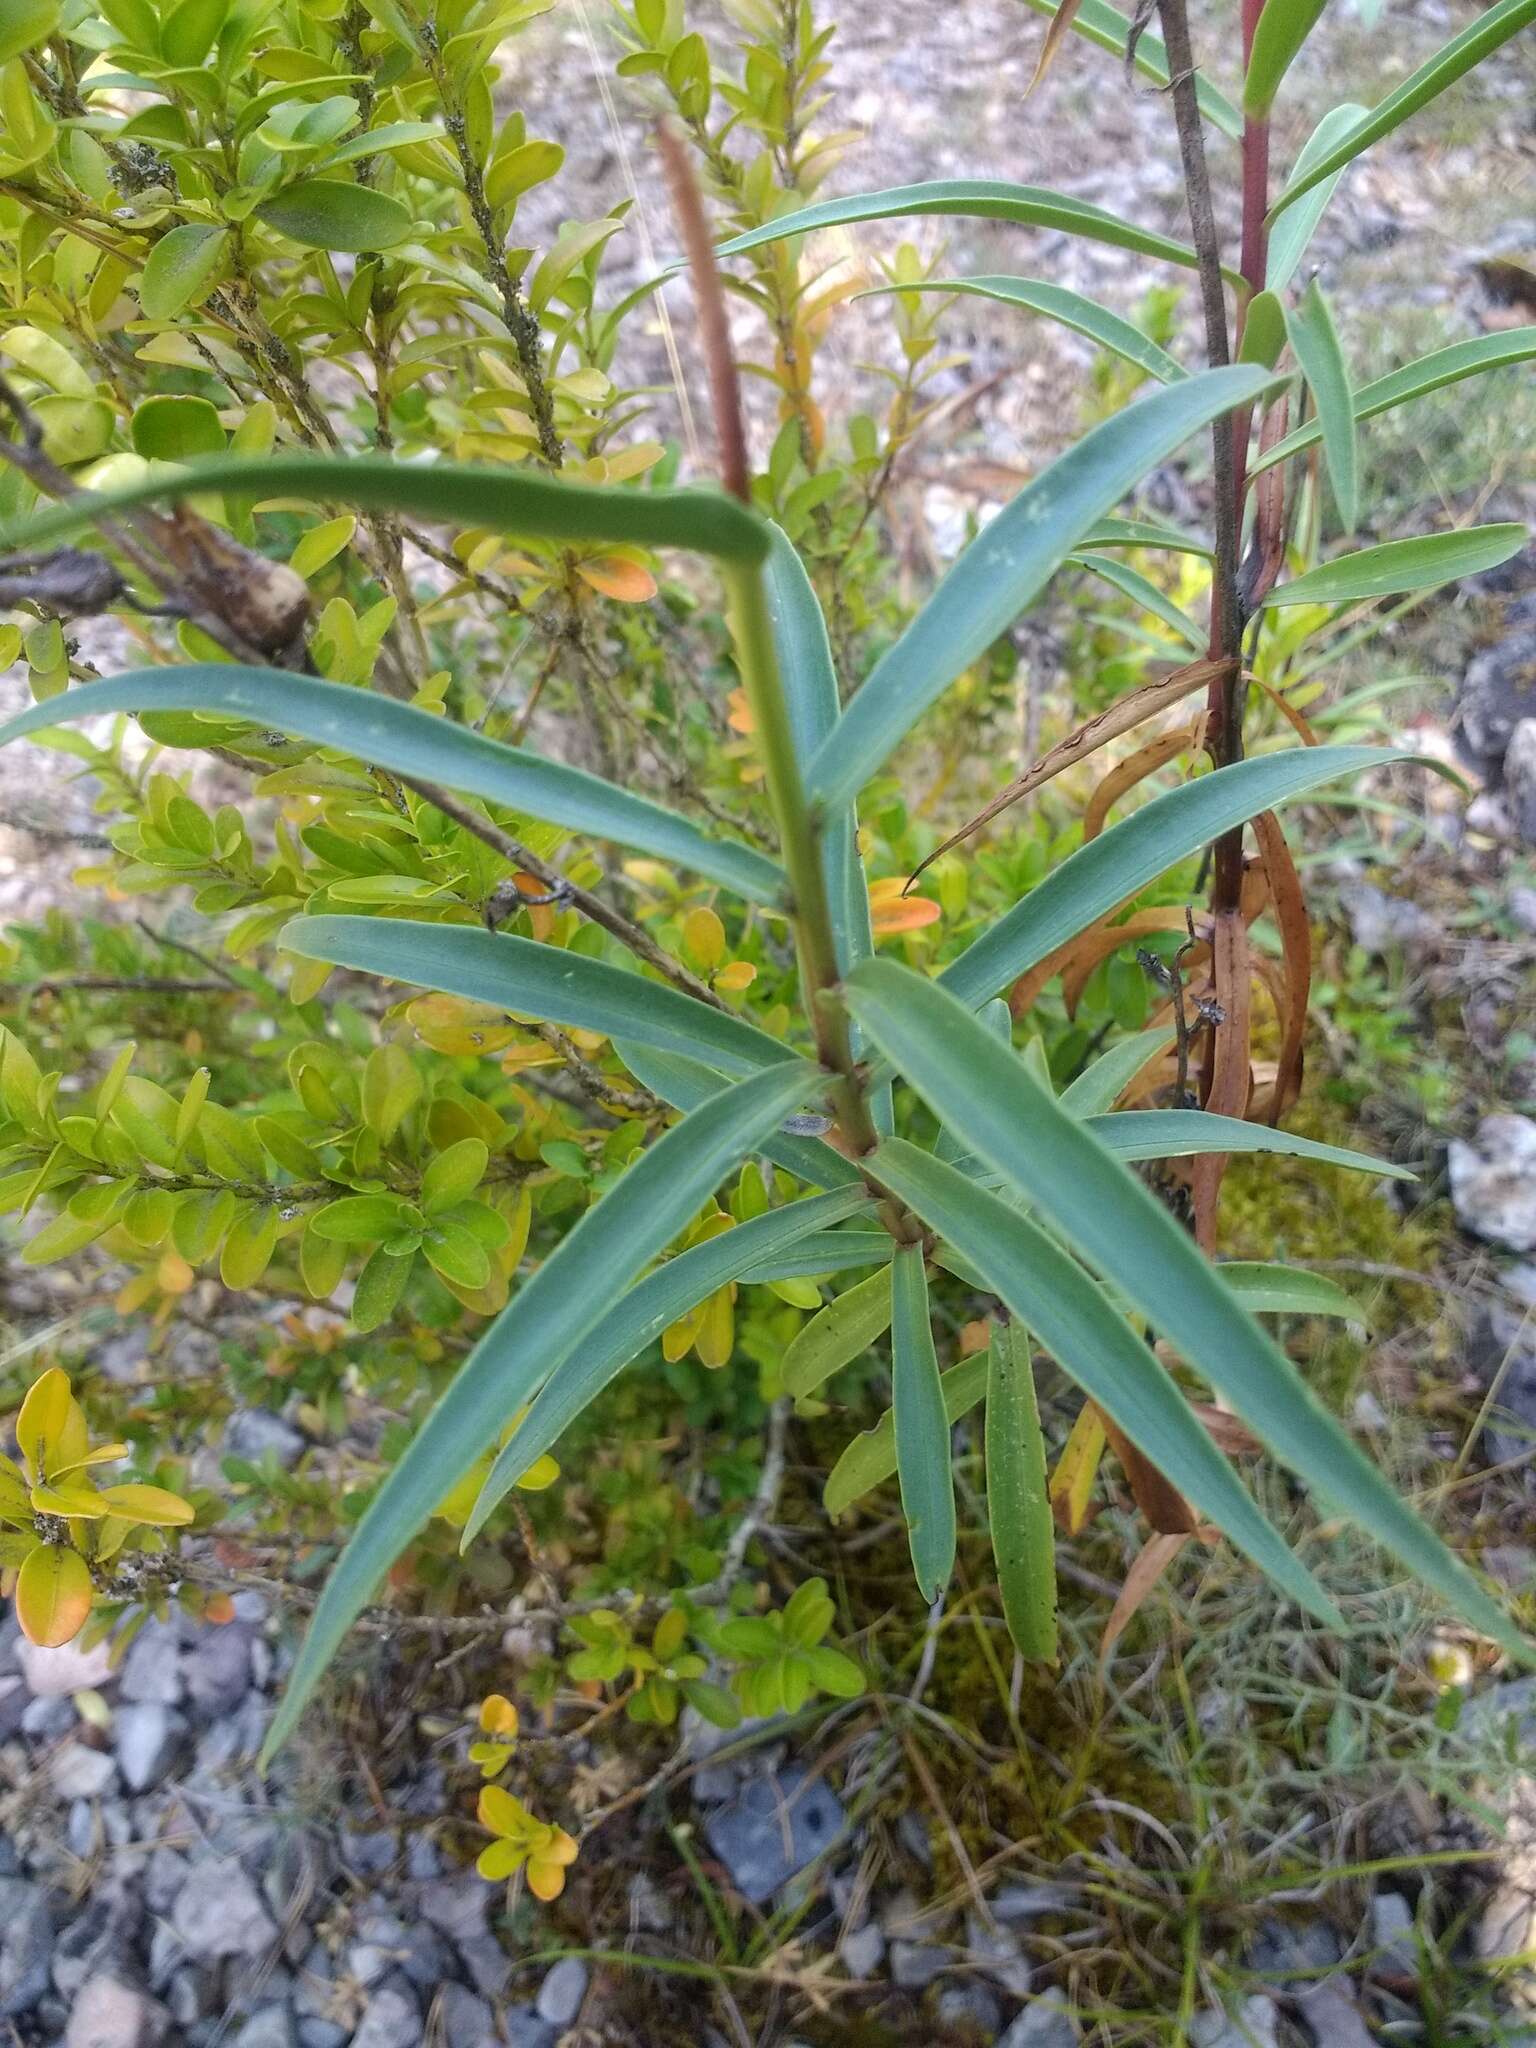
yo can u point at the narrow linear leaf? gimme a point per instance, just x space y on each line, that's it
1068 308
1018 1500
974 199
508 501
1292 234
1442 366
686 1083
1283 27
1146 533
657 1301
821 1251
373 728
1120 862
1008 564
1098 1088
1450 62
1094 1345
838 1334
534 980
1403 565
976 1087
1181 1133
1109 28
1141 590
1273 1290
590 1272
1316 345
922 1430
870 1459
1263 330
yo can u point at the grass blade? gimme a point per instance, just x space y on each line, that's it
1069 309
922 1430
368 727
1018 1503
1094 1345
979 1089
534 980
1115 866
1450 62
974 199
592 1270
1316 346
1397 566
1008 564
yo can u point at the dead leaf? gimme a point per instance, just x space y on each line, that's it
1151 1561
1057 33
1228 1094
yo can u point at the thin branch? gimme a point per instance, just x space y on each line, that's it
709 303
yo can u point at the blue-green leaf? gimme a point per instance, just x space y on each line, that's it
922 1430
1018 1502
1181 1133
369 727
1419 563
1054 302
533 980
1293 232
1316 346
576 1286
686 1083
1008 564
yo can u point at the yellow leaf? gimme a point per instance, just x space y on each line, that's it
716 1338
503 1814
76 1503
703 938
15 1495
498 1716
51 1426
541 1473
53 1595
500 1859
545 1880
152 1506
740 718
1072 1481
736 976
616 576
449 1025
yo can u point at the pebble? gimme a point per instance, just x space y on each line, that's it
110 2013
561 1993
459 1907
217 1670
1493 1182
863 1951
997 1952
1396 1951
465 2021
775 1828
26 1945
48 1718
1046 2022
272 2027
151 1666
915 1964
391 2019
971 2008
256 1434
1252 2026
50 1673
147 1736
219 1912
80 1772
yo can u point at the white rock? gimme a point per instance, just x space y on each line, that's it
561 1993
862 1952
1493 1182
52 1673
219 1912
111 2014
146 1735
80 1772
1252 2026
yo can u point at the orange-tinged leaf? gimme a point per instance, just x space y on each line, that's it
1151 1561
1072 1481
618 577
890 912
53 1595
153 1506
450 1025
741 718
736 976
1055 36
545 1880
219 1609
498 1716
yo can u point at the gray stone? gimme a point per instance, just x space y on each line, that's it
148 1736
97 1941
1251 2026
191 1995
1493 1182
421 1858
368 1852
164 1875
863 1951
915 1964
1502 1348
391 2019
997 1952
1332 2016
972 2007
111 2013
427 1959
775 1828
51 1673
151 1667
323 2034
216 1667
26 1945
526 2030
1046 2022
1380 923
219 1912
256 1434
488 1964
48 1718
1522 908
1498 691
15 1701
714 1783
1294 1948
1030 1901
561 1993
459 1907
465 2021
272 2027
1520 779
649 1912
1396 1951
80 1772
